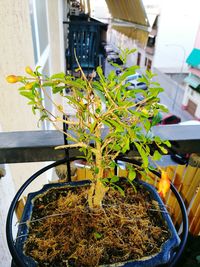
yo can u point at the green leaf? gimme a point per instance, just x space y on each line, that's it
164 150
113 164
115 64
117 126
22 88
155 91
105 180
130 71
33 109
125 144
93 137
48 84
31 102
116 147
57 89
93 125
131 175
75 102
156 119
155 83
37 73
111 86
143 155
107 123
119 189
118 95
198 259
114 179
156 155
96 170
101 76
100 95
97 235
147 125
60 75
43 117
37 68
167 143
77 84
157 139
79 93
35 85
28 95
111 75
150 74
98 110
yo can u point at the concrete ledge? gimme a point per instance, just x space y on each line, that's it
31 146
36 146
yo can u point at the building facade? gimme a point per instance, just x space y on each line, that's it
191 100
172 31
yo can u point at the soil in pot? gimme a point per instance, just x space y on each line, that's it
63 231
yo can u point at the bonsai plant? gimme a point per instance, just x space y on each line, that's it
109 122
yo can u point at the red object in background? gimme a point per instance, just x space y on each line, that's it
170 119
164 184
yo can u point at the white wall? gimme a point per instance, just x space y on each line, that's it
16 52
99 9
56 15
119 40
178 26
194 96
56 39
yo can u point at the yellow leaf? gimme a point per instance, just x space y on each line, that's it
29 70
13 79
164 184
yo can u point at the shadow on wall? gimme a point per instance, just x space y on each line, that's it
2 171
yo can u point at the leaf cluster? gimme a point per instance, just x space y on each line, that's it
108 121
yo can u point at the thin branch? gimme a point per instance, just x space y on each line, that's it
108 95
66 121
65 133
51 100
72 145
115 156
106 142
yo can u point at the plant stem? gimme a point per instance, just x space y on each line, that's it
97 190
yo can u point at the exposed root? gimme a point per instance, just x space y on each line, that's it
125 228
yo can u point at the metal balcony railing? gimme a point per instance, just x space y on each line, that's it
37 146
85 44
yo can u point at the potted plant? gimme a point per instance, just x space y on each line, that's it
98 222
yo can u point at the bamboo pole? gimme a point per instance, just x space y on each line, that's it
175 176
194 214
189 175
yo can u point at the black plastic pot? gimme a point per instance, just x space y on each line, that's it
171 250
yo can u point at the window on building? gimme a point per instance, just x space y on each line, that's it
197 89
138 58
145 62
149 63
151 41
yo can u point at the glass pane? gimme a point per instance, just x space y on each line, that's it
47 103
45 70
33 30
42 24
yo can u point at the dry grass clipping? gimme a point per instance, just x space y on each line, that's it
64 232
